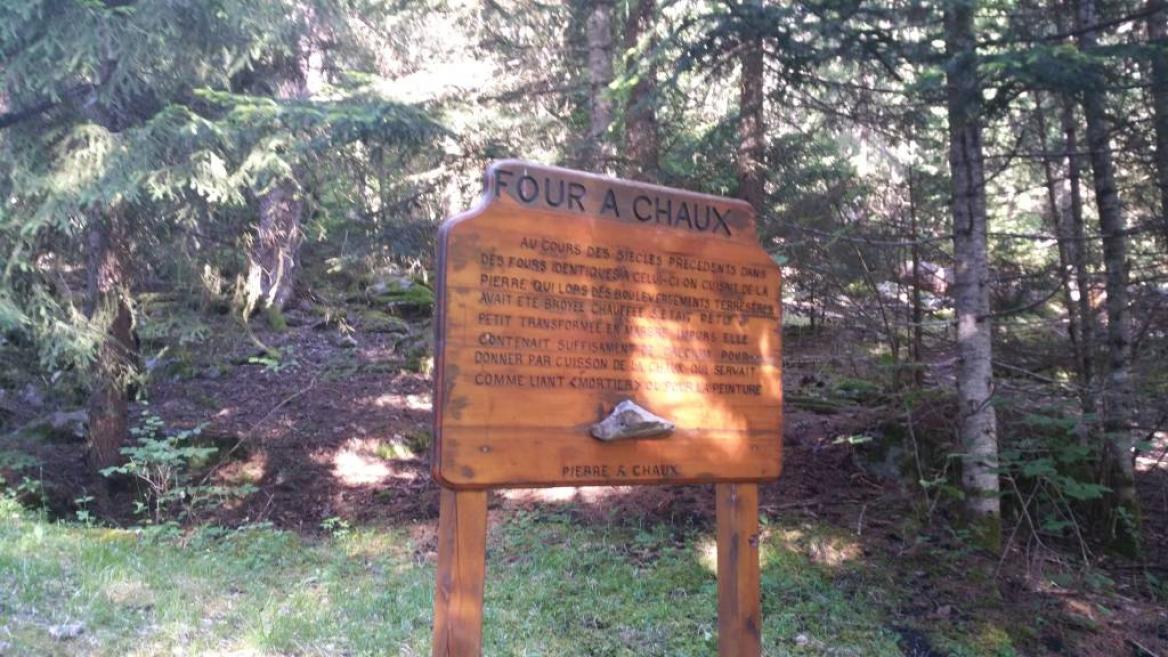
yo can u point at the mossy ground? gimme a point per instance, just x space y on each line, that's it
555 587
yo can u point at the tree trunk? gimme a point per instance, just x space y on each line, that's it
1117 391
918 312
976 417
751 127
599 29
1157 22
641 137
1077 253
108 305
1060 224
274 257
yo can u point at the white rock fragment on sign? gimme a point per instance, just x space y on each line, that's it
628 420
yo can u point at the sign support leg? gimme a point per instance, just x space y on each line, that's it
462 551
739 599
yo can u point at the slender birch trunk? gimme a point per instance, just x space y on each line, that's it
977 420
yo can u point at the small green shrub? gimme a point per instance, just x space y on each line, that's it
336 527
163 465
1050 476
419 441
276 360
15 460
28 492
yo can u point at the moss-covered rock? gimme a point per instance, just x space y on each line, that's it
883 453
379 367
417 349
375 321
401 297
179 364
58 427
858 390
346 272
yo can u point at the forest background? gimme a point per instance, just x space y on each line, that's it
216 215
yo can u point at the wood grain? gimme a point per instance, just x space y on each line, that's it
458 595
562 294
739 599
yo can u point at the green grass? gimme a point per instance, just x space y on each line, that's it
554 588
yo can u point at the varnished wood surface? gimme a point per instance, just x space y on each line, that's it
739 599
553 309
458 594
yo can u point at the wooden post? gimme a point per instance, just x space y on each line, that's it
739 600
462 553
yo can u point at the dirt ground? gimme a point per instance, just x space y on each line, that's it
337 429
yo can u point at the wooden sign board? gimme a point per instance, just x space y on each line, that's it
600 331
564 294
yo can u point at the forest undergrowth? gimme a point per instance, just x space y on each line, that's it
217 279
314 532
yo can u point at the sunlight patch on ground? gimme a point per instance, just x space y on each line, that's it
107 535
707 549
1155 458
832 552
420 402
586 494
829 551
371 545
406 475
789 538
356 463
249 471
129 591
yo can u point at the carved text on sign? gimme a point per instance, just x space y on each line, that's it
548 188
564 295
